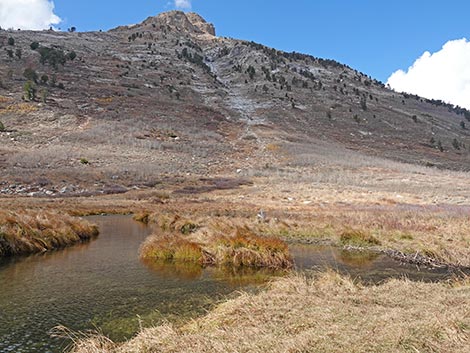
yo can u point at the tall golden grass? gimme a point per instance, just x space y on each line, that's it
208 242
26 232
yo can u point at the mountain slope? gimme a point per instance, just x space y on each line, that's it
140 104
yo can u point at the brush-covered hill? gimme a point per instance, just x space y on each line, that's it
167 98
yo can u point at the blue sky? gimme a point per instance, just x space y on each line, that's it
373 36
376 37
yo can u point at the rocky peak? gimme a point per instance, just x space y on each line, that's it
188 22
201 23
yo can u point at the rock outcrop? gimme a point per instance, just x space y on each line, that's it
184 22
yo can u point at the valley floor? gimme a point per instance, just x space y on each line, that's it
422 214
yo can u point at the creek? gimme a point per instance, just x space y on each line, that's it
103 285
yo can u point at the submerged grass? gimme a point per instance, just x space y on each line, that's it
324 313
26 232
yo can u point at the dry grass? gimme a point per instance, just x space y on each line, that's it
358 238
246 249
29 232
172 248
326 313
21 108
441 233
212 242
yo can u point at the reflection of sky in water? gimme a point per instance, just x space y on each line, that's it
103 284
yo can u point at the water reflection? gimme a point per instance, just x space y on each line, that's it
369 267
98 284
182 270
103 284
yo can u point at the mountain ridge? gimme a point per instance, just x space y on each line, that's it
167 97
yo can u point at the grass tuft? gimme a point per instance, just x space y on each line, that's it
214 243
28 232
247 249
171 248
358 237
143 217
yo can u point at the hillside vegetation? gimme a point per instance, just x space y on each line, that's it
101 112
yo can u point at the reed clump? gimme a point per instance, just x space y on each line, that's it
27 232
171 247
246 249
219 243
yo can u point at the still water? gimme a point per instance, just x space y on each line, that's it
103 284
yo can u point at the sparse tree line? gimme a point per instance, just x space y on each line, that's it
439 103
51 56
30 88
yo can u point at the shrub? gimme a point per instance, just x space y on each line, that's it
30 74
251 72
53 57
44 94
34 45
11 41
84 161
44 79
364 103
29 91
72 55
439 146
2 127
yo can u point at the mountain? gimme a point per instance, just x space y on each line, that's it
166 99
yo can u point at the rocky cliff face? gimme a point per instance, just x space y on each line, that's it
190 23
167 97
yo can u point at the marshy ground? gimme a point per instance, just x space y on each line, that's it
420 213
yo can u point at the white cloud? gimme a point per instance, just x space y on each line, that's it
183 4
443 75
27 14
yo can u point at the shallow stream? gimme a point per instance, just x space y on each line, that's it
103 285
